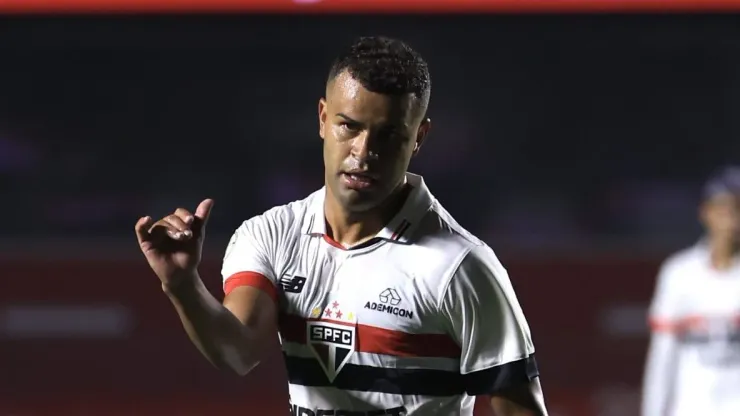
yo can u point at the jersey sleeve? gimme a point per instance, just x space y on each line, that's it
664 318
664 314
249 258
487 322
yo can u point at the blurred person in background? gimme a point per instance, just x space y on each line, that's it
383 303
693 363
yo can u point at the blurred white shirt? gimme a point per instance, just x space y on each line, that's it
693 365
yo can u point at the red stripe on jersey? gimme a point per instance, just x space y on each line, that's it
252 279
679 325
333 242
376 340
400 230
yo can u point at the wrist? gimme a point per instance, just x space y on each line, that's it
181 284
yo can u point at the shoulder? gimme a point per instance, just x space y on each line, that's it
479 271
675 282
683 257
680 264
450 252
280 221
677 275
438 224
259 244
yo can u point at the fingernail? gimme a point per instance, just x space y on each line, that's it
178 235
187 233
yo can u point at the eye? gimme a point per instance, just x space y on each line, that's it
349 126
393 135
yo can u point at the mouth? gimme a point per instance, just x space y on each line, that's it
358 180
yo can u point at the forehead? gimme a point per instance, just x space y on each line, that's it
346 95
724 199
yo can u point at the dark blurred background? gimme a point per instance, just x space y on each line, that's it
575 145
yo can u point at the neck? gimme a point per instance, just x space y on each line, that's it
722 252
351 228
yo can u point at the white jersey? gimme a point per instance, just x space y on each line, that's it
693 364
415 322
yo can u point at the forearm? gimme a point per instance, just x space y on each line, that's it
215 331
659 370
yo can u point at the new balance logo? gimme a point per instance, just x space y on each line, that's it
292 284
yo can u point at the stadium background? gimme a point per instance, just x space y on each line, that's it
573 144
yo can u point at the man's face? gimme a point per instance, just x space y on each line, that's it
721 216
369 140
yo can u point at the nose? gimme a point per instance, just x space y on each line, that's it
363 147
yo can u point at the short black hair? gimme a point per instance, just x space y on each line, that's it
385 66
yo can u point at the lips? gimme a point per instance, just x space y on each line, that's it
359 180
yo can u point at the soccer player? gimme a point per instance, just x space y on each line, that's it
693 365
384 304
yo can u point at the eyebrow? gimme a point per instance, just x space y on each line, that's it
348 118
353 121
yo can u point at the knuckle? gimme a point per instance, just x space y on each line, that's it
162 223
183 214
175 222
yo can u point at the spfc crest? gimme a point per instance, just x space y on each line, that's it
331 337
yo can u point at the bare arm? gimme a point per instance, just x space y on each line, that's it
659 370
520 400
231 336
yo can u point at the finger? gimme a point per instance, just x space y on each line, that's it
184 215
203 212
181 230
162 230
142 229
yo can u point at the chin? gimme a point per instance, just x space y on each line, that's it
354 201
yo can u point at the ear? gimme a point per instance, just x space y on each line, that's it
421 136
322 117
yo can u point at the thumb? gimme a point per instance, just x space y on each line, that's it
203 212
142 229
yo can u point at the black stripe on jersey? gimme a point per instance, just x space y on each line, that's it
494 379
424 382
399 227
403 230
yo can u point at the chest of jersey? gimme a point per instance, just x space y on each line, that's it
358 313
711 296
373 286
710 312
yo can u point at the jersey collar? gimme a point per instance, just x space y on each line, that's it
399 229
702 247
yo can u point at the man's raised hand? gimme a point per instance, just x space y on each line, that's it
173 245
